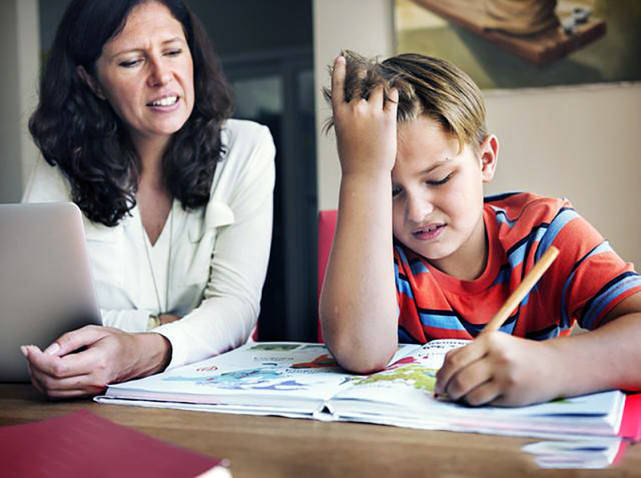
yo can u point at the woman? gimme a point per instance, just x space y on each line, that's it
177 199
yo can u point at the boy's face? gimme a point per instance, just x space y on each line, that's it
438 196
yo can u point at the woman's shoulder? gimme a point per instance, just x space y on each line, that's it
46 183
245 135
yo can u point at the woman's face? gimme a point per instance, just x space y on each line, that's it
146 73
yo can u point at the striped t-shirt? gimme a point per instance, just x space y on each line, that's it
584 283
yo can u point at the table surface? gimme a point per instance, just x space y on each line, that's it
281 447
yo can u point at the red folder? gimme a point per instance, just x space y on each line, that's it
631 421
82 444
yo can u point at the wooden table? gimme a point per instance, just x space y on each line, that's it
282 447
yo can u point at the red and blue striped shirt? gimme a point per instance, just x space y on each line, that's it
584 283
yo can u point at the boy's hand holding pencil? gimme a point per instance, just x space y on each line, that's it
501 369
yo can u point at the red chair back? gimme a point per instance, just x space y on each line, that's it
326 228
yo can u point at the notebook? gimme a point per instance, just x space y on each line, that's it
45 280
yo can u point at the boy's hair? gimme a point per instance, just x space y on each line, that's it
426 85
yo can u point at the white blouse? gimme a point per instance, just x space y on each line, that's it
210 264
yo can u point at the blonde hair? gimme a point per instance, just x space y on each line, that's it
427 86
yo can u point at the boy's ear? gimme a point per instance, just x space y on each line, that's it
488 156
91 82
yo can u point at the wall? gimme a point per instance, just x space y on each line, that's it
342 24
579 142
19 47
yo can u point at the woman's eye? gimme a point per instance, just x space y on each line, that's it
175 52
129 63
440 181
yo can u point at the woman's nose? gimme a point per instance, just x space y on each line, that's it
160 74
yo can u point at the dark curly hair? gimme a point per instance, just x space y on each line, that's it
87 140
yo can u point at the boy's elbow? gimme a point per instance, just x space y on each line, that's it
356 348
360 355
362 365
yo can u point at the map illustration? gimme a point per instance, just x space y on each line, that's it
412 374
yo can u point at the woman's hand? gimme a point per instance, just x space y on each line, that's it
365 129
500 369
84 361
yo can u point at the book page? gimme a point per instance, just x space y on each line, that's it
264 374
403 395
414 375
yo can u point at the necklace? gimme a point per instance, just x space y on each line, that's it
145 239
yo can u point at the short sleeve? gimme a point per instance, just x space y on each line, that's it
595 278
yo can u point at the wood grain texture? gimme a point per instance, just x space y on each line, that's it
282 447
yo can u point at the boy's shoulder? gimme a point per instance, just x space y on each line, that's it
524 206
518 218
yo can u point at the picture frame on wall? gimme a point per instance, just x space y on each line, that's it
505 44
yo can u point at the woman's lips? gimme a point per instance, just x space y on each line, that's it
427 233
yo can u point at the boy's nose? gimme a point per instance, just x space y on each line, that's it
418 208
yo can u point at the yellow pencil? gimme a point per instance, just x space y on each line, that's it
530 280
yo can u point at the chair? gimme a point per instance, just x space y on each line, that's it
326 228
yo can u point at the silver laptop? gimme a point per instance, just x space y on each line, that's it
45 280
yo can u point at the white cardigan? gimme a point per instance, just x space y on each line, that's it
219 253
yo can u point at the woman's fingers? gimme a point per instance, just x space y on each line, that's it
35 380
76 339
73 375
71 365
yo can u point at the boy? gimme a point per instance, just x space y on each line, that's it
419 254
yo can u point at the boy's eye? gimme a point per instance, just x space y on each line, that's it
395 191
439 181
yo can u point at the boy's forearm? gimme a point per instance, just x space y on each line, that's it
358 303
603 359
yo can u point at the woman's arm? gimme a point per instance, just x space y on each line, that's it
224 318
358 306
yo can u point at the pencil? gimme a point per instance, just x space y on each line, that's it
530 280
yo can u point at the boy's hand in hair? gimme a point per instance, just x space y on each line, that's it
365 128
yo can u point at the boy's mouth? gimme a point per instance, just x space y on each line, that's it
428 232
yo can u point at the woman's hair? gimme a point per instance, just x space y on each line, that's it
427 86
84 137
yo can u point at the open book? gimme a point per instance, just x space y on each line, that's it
302 380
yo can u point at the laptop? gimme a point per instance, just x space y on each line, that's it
45 280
